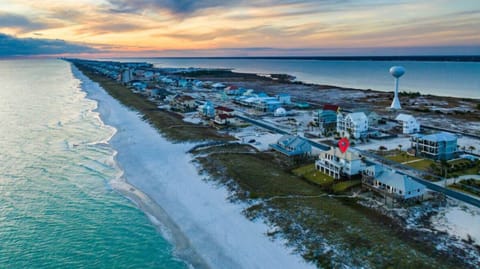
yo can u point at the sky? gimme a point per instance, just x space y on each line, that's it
106 28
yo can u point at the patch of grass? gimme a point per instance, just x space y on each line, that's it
262 175
474 190
345 185
169 124
311 174
402 157
424 164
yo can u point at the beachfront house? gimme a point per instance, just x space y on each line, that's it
224 119
339 165
352 125
183 103
409 123
439 146
154 92
292 146
389 183
224 116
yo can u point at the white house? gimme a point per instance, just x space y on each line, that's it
280 112
390 183
337 164
224 116
352 125
409 123
218 86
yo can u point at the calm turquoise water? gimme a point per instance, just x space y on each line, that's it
439 78
56 207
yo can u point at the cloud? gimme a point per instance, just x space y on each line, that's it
175 6
10 20
13 46
183 7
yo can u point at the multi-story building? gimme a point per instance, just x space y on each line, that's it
409 123
439 146
352 125
337 164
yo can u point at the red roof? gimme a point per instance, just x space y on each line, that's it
224 116
184 98
330 107
225 109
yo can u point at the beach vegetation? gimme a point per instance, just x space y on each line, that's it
170 124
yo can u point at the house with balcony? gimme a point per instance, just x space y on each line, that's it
352 125
339 165
224 116
183 103
438 146
409 123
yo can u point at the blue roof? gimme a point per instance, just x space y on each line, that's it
438 137
262 94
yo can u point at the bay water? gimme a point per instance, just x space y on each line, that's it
457 79
57 209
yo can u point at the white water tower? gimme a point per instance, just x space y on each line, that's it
397 72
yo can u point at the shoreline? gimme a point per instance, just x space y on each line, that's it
182 248
200 209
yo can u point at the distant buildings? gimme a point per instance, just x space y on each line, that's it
184 103
292 145
439 146
388 182
262 102
337 164
352 125
409 123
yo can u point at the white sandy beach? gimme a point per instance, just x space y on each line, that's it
215 228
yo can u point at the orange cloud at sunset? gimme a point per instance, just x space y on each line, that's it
155 27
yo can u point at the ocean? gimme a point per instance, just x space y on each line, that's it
458 79
57 208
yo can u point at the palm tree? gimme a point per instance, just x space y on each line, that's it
400 147
382 149
471 148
